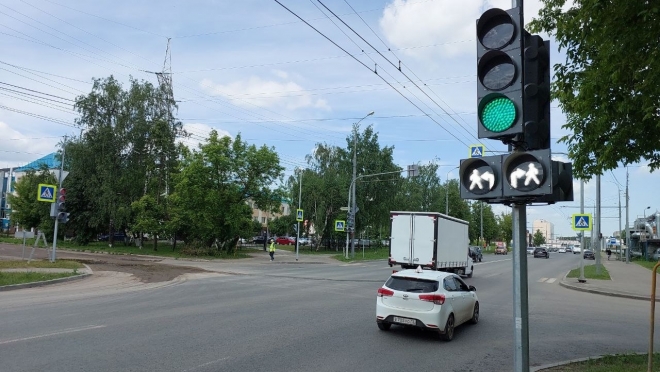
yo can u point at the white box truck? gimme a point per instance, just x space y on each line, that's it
431 240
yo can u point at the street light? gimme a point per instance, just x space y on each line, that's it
352 190
649 207
447 191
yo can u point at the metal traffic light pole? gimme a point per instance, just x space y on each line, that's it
59 187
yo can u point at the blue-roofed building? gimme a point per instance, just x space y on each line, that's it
9 176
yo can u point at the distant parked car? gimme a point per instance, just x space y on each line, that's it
475 253
304 241
285 240
530 250
562 250
589 255
259 240
118 236
541 252
501 250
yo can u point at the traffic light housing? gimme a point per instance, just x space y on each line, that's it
500 42
536 94
62 215
480 178
533 176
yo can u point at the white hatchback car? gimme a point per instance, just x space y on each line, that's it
428 299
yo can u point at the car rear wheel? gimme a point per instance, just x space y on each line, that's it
475 314
448 334
384 326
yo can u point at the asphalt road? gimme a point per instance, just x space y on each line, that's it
300 317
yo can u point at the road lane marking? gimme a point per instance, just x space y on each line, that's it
542 280
70 330
551 280
206 364
489 262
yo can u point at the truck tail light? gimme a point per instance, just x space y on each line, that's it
384 292
437 299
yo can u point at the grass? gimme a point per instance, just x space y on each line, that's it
369 254
610 363
59 264
306 249
590 273
647 264
164 249
30 277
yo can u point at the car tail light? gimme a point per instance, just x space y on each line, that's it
437 299
384 292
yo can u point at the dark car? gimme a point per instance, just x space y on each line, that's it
118 236
259 240
589 255
475 253
541 252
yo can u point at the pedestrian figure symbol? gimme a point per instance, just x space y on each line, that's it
340 225
46 193
582 223
476 178
532 174
476 152
299 215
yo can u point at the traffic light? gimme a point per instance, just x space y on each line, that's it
534 177
62 215
480 178
500 41
536 93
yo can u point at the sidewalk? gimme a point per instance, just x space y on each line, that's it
628 281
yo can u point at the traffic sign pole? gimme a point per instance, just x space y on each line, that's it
520 287
581 279
53 254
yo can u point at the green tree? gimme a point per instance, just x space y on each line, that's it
214 185
26 210
148 217
609 85
538 239
458 207
128 150
505 225
283 225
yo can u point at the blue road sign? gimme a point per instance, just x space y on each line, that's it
581 222
46 193
477 151
340 225
299 215
612 241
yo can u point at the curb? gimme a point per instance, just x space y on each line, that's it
558 364
41 284
565 284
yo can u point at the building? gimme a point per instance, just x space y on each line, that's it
9 176
264 217
547 228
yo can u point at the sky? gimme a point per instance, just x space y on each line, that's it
253 67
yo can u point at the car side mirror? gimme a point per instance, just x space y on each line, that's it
472 288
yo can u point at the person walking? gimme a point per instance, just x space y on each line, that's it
271 250
609 253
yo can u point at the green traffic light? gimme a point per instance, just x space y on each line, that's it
498 114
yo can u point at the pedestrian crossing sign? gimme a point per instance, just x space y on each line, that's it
581 221
46 193
299 215
340 225
477 151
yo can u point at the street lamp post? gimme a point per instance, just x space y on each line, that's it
354 205
649 207
299 206
447 191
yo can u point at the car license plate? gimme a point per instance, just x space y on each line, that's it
400 320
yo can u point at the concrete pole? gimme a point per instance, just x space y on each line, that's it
598 228
627 221
481 236
299 206
353 191
620 241
59 187
581 279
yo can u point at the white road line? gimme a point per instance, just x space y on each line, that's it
542 280
551 280
490 262
70 330
492 275
206 364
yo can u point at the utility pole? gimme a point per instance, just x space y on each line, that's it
581 279
299 207
598 221
627 222
481 236
59 187
620 240
353 207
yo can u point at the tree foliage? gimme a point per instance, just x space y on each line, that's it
214 185
538 239
609 85
26 210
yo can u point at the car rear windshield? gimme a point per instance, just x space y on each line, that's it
416 285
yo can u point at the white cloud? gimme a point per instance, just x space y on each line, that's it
198 131
20 148
265 93
449 24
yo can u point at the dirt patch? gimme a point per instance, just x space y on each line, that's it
146 269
